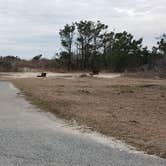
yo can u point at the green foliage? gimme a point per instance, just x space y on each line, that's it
88 46
125 52
66 35
38 57
162 45
89 41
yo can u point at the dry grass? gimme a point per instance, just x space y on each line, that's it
133 110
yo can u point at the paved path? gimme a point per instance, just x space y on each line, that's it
31 138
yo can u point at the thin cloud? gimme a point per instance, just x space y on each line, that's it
29 27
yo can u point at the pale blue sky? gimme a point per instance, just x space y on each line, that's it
30 27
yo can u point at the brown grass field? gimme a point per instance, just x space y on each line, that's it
129 109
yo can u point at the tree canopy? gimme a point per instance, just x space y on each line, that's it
90 45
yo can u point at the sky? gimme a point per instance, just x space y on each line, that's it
31 27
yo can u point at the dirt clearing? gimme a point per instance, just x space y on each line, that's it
129 109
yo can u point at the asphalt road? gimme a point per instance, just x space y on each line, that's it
32 138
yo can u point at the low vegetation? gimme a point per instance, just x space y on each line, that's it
130 109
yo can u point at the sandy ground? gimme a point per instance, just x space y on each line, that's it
14 75
129 109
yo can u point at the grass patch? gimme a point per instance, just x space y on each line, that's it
129 109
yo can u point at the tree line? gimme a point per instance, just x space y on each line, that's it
89 45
